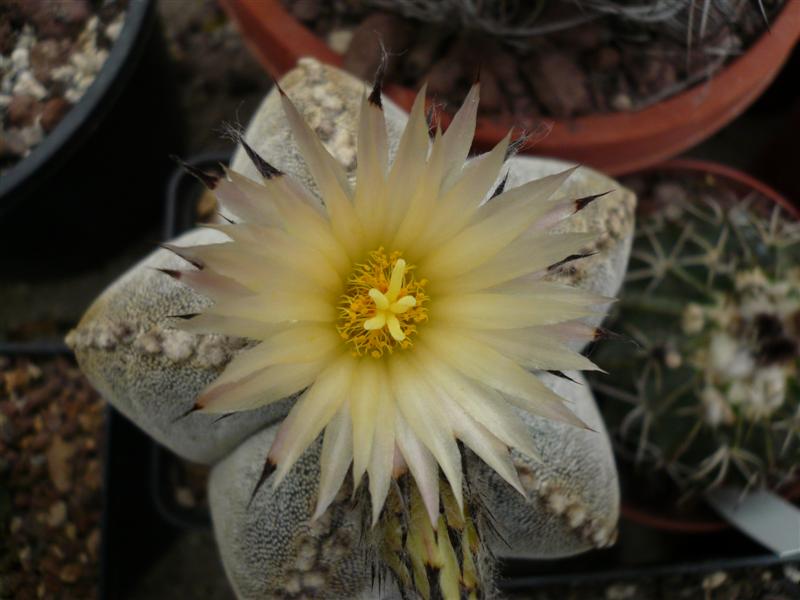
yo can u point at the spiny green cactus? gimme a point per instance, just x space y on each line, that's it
712 299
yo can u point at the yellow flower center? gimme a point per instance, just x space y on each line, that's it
382 305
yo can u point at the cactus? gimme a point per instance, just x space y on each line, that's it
712 300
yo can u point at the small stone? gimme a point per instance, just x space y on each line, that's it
621 591
184 497
715 580
606 59
46 56
93 543
52 113
339 40
621 102
306 10
23 110
558 82
792 573
15 525
27 84
57 514
70 573
59 457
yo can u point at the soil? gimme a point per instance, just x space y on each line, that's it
51 424
50 53
605 65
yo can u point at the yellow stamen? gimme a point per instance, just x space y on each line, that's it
382 306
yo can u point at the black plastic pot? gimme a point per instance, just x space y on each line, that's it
95 181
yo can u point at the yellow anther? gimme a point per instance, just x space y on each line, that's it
382 305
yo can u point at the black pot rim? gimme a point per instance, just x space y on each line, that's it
83 118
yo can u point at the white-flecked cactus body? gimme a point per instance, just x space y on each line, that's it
152 372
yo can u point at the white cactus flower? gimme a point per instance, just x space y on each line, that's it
408 314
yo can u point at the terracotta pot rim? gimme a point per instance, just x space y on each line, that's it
615 142
741 178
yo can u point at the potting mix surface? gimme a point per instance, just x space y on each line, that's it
607 64
51 437
50 53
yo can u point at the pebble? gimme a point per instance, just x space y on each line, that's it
57 514
52 113
621 591
715 580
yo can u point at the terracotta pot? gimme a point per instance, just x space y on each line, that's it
615 143
704 522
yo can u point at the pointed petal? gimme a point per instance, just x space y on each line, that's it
381 463
427 420
368 385
295 344
278 306
210 284
483 364
330 178
205 323
408 166
372 155
422 465
484 404
459 204
415 219
527 254
533 350
337 453
537 303
260 388
495 225
312 412
458 138
493 452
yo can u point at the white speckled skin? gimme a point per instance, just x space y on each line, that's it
152 373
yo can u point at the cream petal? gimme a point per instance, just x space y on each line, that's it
495 225
537 303
335 459
422 465
489 367
277 307
364 403
295 212
458 138
415 219
459 204
429 423
205 323
525 255
236 205
312 412
295 344
211 284
331 180
372 156
490 449
482 403
408 166
531 349
261 388
381 463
